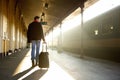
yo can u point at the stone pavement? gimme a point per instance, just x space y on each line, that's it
63 66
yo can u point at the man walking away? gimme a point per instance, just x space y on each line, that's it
34 36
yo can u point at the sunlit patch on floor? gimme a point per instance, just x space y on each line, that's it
24 64
55 72
29 73
25 72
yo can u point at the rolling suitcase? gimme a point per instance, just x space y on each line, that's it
44 57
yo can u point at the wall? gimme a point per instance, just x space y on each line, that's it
12 28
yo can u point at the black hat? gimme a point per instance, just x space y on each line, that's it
36 17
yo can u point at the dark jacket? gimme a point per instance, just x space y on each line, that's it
35 32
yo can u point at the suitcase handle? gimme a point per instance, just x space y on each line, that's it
44 47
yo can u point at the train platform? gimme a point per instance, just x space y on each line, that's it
63 66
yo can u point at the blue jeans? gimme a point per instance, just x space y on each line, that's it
35 49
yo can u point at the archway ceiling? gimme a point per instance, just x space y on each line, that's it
56 12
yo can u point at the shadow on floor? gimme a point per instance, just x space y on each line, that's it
36 75
9 63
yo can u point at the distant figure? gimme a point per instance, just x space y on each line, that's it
34 36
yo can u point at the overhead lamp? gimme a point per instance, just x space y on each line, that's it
41 20
43 14
46 6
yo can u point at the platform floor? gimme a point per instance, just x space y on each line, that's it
63 66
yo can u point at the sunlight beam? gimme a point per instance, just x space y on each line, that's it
56 73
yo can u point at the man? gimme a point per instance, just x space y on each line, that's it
34 36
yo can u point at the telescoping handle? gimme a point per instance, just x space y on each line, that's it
44 47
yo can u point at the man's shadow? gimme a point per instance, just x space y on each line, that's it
36 75
33 76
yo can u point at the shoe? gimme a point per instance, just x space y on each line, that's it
37 63
33 63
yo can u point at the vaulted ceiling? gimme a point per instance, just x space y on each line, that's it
56 12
